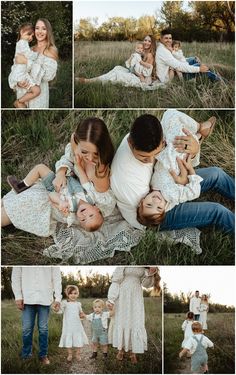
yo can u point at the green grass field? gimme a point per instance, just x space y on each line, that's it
60 89
32 137
150 362
95 58
220 332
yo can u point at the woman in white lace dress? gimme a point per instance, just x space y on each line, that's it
204 308
126 296
44 67
120 74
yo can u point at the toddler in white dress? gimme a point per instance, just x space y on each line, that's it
20 72
187 327
73 334
177 52
136 65
165 194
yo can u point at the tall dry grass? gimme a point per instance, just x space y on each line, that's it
95 58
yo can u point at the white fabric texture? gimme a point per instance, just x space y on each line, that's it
165 60
191 344
134 64
194 305
187 328
37 285
130 179
203 315
44 71
178 55
172 124
105 201
105 315
73 334
126 292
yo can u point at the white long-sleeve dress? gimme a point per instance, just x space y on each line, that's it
73 334
172 124
203 314
126 293
43 70
187 328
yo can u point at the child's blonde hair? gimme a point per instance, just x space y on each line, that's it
190 315
196 327
99 301
138 43
176 43
70 288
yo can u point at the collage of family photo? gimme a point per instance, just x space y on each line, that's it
117 187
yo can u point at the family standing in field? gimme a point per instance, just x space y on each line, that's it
37 288
152 65
151 178
195 342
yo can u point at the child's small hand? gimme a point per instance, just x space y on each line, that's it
64 206
55 306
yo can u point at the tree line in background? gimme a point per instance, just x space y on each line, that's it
174 303
205 21
15 13
94 285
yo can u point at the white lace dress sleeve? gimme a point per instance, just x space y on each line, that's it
117 278
44 71
67 160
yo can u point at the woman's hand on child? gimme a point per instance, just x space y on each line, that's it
82 315
59 181
20 59
23 84
64 207
110 305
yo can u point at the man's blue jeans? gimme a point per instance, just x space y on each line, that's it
201 214
192 61
28 321
196 317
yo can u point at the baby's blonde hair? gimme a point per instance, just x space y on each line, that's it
70 288
99 301
196 327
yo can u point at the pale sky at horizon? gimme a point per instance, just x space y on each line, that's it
218 281
122 8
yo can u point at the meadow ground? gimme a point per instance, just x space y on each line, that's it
60 89
150 362
33 137
96 58
220 332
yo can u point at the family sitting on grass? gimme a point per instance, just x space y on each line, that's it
35 288
89 181
195 342
155 64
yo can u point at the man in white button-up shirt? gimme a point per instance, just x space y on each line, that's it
34 289
194 305
165 60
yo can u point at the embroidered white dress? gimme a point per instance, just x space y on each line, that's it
126 292
172 124
73 334
187 328
20 72
133 64
203 315
43 70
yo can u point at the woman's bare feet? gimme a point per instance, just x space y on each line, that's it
206 128
133 358
18 104
120 355
82 80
